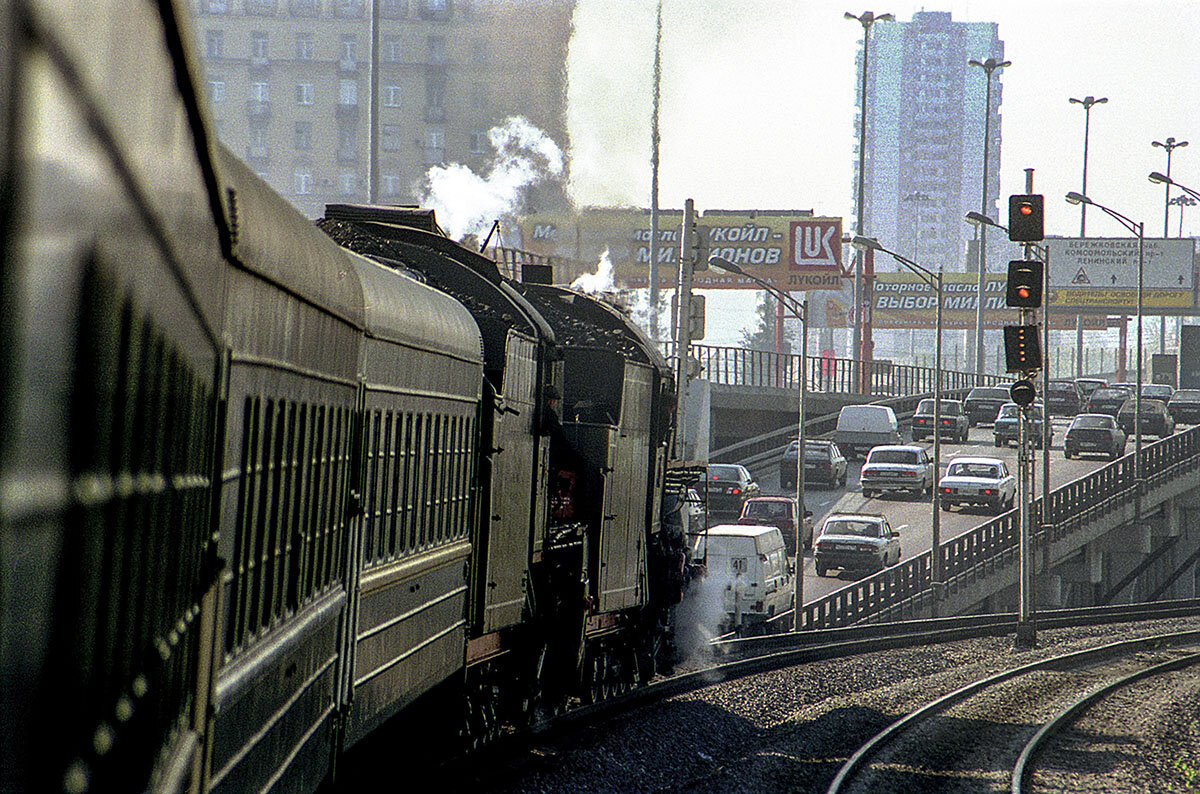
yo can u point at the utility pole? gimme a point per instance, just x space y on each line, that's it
1026 626
654 140
683 331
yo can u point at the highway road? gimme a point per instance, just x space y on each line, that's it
913 515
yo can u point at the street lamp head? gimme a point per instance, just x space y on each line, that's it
865 243
1088 101
979 219
721 263
1077 198
990 65
1161 179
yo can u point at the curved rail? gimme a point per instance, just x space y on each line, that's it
856 761
1022 769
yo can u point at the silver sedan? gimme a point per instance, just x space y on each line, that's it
986 482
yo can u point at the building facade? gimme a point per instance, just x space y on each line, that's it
924 141
289 86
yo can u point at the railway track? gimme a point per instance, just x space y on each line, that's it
737 658
984 735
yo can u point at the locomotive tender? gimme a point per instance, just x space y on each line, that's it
262 494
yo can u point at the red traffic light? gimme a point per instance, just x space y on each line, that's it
1025 209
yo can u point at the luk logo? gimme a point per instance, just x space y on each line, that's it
817 244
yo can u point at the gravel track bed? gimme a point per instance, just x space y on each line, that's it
1143 738
972 746
788 730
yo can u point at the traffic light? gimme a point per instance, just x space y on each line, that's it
1022 348
1025 219
1023 392
1024 284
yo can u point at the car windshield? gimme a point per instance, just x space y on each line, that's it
1092 423
767 509
1110 394
987 393
725 473
1007 412
989 470
1062 388
848 526
894 456
949 407
1186 396
1157 392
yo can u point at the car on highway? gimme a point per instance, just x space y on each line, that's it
983 403
1063 398
1157 391
1156 419
897 467
1094 434
856 541
823 463
729 486
861 427
781 512
1107 400
1007 428
1089 385
1185 406
985 482
954 422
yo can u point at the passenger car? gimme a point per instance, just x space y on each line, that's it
954 422
780 512
1094 434
983 403
855 541
897 468
729 486
1156 419
1063 398
823 463
1157 391
1089 385
1107 400
1185 406
753 562
977 481
1008 425
861 427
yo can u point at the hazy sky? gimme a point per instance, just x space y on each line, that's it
758 102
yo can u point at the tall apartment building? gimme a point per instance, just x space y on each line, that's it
289 86
924 143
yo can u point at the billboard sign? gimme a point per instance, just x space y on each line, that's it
1099 275
788 249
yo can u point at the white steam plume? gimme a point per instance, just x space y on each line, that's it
600 281
467 203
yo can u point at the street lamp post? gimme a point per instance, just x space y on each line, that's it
866 19
1181 202
800 310
1087 103
989 66
934 280
1140 230
654 142
1169 145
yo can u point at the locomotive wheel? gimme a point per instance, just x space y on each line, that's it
597 677
482 722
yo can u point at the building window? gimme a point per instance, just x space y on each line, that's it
435 147
260 92
347 137
214 44
348 9
392 135
258 47
216 6
391 50
391 96
478 142
393 9
258 138
348 183
348 92
303 136
302 181
304 93
391 184
435 9
304 8
216 91
305 47
260 8
349 54
437 49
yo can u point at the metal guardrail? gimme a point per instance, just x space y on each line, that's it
994 544
741 366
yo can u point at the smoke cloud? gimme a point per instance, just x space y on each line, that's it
467 203
600 281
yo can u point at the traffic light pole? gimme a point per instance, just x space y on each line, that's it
683 331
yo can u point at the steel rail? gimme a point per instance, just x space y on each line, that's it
1023 768
856 761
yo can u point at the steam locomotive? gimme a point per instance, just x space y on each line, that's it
266 485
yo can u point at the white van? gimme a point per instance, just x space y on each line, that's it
752 564
860 427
